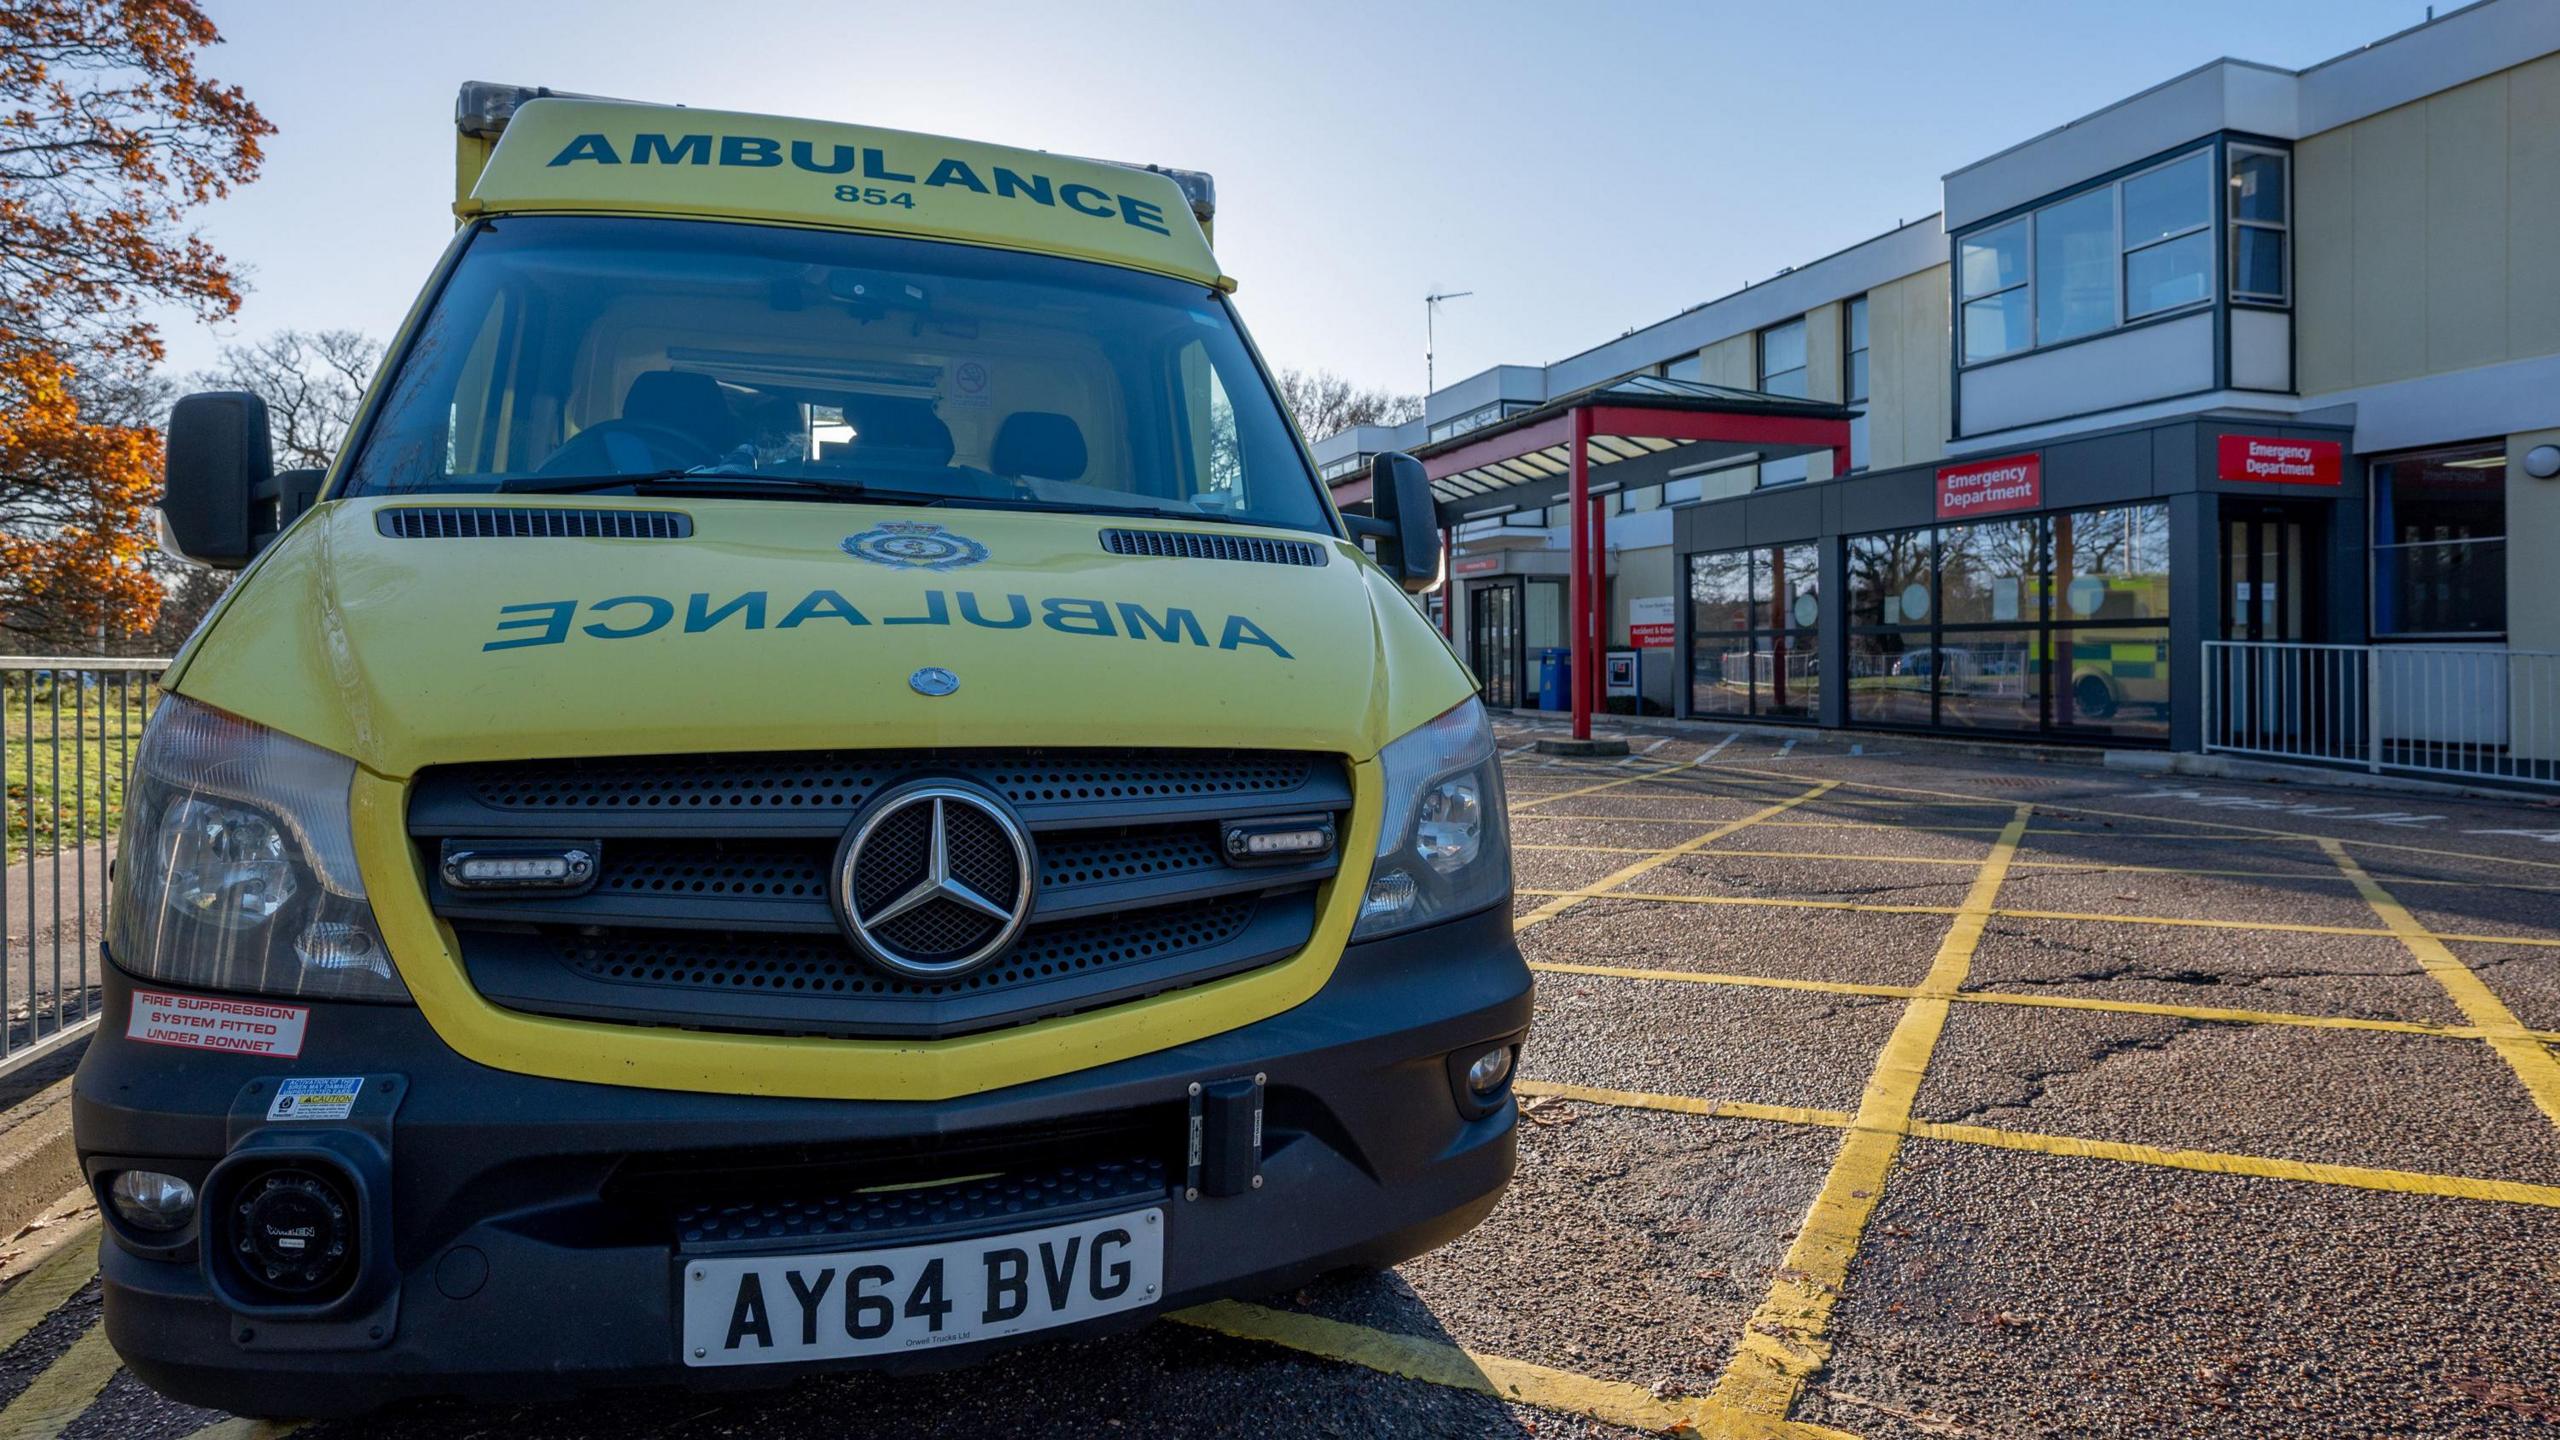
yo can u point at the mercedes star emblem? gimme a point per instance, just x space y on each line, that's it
936 879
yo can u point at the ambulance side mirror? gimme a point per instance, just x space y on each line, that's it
220 502
1400 494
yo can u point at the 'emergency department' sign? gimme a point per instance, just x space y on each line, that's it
2270 461
1991 487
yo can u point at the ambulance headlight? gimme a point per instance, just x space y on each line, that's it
236 865
1444 845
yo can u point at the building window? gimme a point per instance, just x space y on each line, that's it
1752 618
2440 543
2114 253
1853 376
1526 519
1782 372
1692 366
2261 215
2076 267
2052 623
1991 266
2168 236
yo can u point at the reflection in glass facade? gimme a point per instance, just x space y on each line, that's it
1752 642
2043 624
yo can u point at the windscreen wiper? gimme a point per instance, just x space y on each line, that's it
1071 507
717 483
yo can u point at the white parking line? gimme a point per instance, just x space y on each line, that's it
1719 748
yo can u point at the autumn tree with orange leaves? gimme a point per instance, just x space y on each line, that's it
109 137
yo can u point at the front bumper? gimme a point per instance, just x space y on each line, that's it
519 1265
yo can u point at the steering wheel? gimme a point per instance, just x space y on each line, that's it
593 451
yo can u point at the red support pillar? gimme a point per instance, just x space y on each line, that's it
1579 598
1448 585
1598 613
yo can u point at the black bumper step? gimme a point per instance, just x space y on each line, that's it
838 1218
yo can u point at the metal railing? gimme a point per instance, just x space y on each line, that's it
2462 711
69 727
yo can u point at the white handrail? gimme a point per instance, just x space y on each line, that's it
2467 711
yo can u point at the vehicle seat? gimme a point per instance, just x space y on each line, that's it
897 432
1039 443
688 404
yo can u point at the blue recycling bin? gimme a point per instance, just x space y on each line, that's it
1555 678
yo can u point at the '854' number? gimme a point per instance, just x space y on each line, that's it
874 195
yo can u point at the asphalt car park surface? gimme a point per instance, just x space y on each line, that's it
1891 1095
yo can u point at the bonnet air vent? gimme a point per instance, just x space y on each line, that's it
454 522
1181 545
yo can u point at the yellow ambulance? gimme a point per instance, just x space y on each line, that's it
821 784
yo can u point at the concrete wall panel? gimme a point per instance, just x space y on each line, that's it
1907 370
2389 304
2427 238
2466 214
2324 260
2533 208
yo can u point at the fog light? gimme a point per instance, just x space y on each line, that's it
1490 1069
149 1200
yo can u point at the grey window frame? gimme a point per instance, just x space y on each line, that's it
1851 394
2283 229
1760 367
2216 287
2026 282
2124 254
2376 469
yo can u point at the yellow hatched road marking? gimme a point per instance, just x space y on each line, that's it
1689 822
1884 825
2069 808
2210 1013
2534 1064
70 1385
2219 1015
1566 900
42 1290
2076 867
1709 977
1597 891
1786 1341
236 1429
1609 1401
1687 1104
2214 1162
1595 789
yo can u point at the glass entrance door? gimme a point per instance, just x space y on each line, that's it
1494 641
2274 688
2265 573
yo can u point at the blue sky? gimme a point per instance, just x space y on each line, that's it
1584 169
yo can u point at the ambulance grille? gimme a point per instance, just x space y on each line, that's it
507 522
1183 545
713 902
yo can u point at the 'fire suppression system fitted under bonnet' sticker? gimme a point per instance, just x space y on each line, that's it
210 1022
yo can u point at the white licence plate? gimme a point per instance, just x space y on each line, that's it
774 1309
